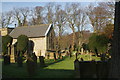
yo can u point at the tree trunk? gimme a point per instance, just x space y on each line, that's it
73 40
115 56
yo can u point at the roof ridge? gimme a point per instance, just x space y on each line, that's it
33 25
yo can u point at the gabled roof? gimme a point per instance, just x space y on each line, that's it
31 31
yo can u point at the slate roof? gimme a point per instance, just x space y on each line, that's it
31 31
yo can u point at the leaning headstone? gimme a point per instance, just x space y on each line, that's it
54 56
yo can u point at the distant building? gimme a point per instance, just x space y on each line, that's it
41 35
5 31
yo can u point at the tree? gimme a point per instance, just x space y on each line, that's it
98 43
21 15
22 43
6 48
17 16
37 15
59 23
6 42
108 30
80 24
49 17
85 46
71 11
6 19
115 56
25 12
100 15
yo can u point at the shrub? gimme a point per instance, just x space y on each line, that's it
85 46
5 41
98 43
22 44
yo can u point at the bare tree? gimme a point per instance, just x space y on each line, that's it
17 16
37 15
49 17
71 19
99 16
76 19
80 24
6 19
59 22
25 13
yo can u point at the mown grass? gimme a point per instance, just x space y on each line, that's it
55 69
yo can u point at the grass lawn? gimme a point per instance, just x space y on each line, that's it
59 69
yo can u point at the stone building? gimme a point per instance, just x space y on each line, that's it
5 31
41 35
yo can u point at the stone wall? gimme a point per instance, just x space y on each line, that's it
39 45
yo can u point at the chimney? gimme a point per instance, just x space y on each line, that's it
15 25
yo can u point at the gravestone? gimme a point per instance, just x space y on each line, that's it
31 66
82 50
54 54
41 59
87 52
12 56
77 68
88 69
